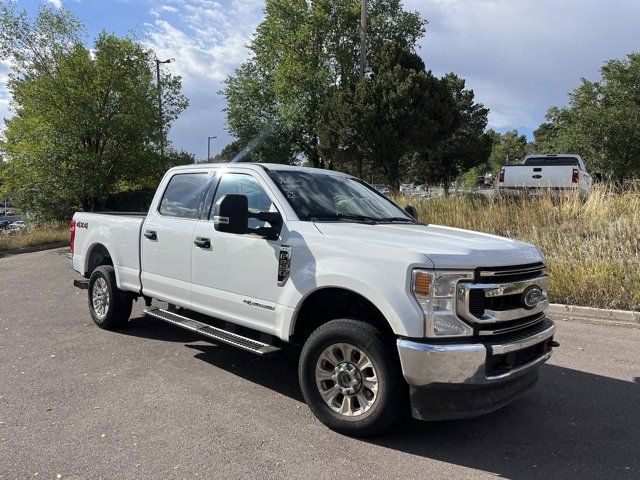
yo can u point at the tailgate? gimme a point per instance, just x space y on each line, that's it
547 176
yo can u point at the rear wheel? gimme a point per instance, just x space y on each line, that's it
351 378
110 307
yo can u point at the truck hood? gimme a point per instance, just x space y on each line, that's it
446 247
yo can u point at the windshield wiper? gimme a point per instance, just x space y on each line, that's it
396 219
342 217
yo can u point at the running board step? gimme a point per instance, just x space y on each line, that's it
212 332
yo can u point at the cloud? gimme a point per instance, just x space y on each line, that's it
520 57
523 56
55 3
208 39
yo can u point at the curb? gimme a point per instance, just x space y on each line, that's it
36 248
574 312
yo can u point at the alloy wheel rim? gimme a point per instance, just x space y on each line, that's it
346 379
100 298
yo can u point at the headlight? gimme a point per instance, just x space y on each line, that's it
435 291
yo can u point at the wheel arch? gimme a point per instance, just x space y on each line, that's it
98 254
332 302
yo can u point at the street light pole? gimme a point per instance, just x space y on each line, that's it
209 146
160 116
363 36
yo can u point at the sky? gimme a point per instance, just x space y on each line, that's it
519 56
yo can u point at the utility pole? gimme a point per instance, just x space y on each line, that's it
209 147
160 116
363 37
363 65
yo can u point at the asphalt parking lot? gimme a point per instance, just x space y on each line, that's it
153 401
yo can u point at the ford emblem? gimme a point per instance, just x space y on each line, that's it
531 296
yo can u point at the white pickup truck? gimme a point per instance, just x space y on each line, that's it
543 173
384 308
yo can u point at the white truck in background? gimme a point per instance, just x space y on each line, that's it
385 309
540 174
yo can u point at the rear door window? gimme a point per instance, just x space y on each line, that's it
185 195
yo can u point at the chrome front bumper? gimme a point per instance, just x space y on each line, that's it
503 366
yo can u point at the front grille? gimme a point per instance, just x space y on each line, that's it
506 302
540 327
510 326
509 274
476 302
503 363
500 364
493 304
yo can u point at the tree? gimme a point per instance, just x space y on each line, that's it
508 147
601 121
398 110
85 121
301 53
466 144
228 152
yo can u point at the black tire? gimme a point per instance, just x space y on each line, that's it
119 303
386 408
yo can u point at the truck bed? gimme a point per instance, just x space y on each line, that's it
120 233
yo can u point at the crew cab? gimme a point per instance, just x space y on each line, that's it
559 173
275 258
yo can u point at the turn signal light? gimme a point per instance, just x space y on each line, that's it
422 283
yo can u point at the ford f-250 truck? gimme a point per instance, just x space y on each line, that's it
384 308
557 173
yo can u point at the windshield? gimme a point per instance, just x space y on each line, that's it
322 197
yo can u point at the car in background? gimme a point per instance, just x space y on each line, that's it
383 189
485 181
406 188
4 224
19 225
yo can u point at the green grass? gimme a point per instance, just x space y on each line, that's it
33 236
592 249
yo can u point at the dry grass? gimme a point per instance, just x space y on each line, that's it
33 236
592 249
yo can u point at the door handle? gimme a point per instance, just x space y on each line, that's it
151 235
202 242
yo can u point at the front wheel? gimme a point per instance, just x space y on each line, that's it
351 378
109 306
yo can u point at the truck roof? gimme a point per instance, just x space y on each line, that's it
551 155
261 166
